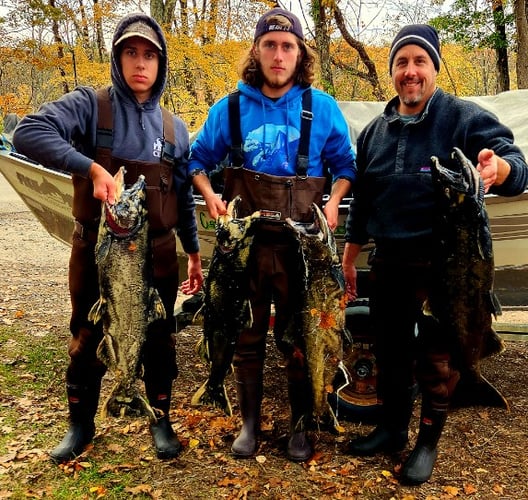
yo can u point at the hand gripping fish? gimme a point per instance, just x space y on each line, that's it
322 318
128 302
462 298
226 310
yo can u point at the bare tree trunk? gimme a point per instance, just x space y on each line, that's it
83 31
98 27
521 23
322 41
503 81
371 75
163 12
60 48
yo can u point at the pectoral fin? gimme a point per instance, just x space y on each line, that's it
98 310
156 308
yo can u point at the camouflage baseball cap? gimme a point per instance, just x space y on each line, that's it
141 29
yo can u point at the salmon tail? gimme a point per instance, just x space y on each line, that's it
97 311
477 391
206 395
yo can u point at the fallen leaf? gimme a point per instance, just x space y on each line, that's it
497 488
451 490
469 489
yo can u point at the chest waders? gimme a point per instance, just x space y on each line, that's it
85 370
277 197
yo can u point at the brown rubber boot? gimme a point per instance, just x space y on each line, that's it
249 393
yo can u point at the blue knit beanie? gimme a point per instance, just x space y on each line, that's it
422 35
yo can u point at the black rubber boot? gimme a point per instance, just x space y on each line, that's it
391 435
249 395
299 392
419 465
82 404
165 440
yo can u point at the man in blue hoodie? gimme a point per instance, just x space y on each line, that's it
91 134
289 140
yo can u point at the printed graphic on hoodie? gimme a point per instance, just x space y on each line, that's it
268 148
158 148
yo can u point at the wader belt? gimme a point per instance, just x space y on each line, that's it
277 197
162 203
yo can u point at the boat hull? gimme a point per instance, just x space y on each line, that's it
48 194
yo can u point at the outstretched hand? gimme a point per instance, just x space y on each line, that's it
488 167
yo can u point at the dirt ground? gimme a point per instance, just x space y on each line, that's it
482 451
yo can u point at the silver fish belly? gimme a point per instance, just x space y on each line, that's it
226 310
128 302
462 298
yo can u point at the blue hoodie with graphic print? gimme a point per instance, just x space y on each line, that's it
270 135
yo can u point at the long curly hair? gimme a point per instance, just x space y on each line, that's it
250 71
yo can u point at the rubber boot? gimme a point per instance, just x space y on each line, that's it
82 404
165 440
299 392
249 394
391 434
419 465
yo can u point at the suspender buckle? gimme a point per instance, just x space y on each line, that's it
306 115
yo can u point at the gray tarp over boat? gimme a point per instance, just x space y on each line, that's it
510 107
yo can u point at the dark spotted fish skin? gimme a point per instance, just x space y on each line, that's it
226 310
322 316
462 298
128 302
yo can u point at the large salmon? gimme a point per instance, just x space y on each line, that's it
128 302
322 317
226 310
462 297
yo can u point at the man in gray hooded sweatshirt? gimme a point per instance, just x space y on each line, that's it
91 134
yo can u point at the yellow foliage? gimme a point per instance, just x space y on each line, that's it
200 74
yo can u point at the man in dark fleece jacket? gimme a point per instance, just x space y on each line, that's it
393 204
69 134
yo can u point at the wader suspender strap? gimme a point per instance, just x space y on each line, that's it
104 137
304 140
236 156
105 125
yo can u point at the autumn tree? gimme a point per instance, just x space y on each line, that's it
481 24
521 23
